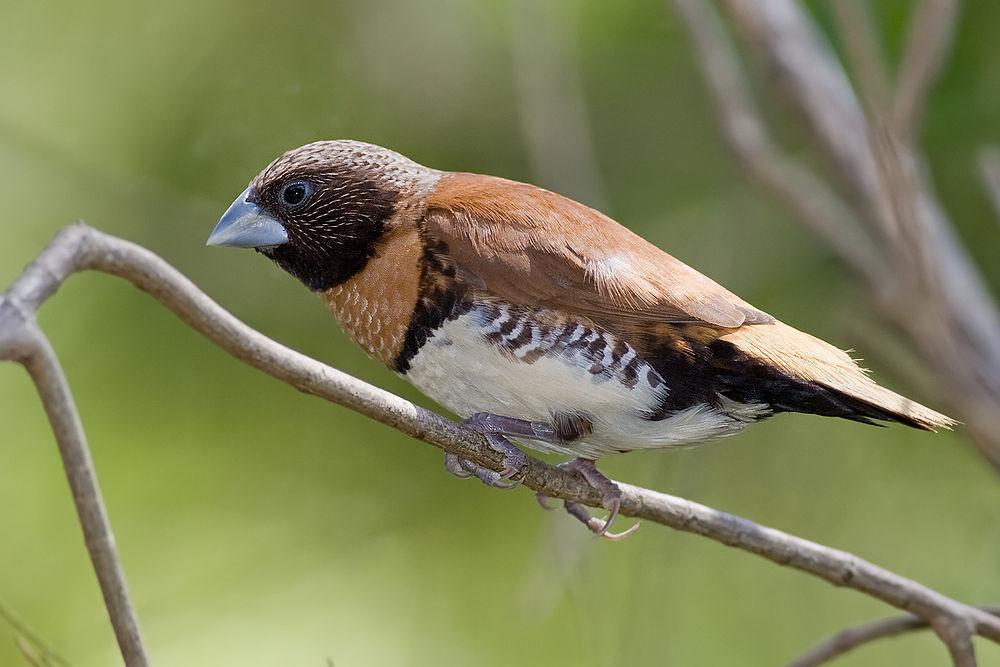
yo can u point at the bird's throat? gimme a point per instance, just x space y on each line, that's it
375 306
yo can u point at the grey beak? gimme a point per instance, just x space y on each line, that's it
244 225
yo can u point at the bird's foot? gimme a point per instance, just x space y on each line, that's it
492 427
495 427
611 500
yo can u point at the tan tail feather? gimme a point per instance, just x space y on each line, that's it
808 358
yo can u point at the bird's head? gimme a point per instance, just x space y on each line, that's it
319 210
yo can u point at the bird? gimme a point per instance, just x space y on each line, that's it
536 319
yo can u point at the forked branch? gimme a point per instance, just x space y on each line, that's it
851 638
876 208
80 248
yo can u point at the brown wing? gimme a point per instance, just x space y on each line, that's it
532 246
528 245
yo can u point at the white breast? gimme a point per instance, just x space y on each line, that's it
468 367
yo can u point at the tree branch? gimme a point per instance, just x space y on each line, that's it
551 103
23 342
920 265
80 248
864 50
989 172
851 638
32 646
928 41
793 183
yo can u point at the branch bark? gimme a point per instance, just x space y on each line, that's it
791 182
80 248
989 172
851 638
23 342
34 649
928 42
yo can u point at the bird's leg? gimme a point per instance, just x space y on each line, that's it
494 428
487 422
611 500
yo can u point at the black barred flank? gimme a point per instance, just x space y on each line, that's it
528 335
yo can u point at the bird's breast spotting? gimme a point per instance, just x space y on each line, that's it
540 365
375 307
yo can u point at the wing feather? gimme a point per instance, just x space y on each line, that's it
533 246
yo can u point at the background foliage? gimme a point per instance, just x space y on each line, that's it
262 527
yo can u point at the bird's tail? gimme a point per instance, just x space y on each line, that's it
843 389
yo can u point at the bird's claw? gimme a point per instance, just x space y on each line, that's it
598 526
543 502
514 459
493 427
463 468
611 500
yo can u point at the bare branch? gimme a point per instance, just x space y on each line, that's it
864 48
80 248
802 63
851 638
22 341
791 182
925 283
928 42
551 104
32 646
989 172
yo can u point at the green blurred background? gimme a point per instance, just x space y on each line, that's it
259 526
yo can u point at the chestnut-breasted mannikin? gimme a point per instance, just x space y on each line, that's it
535 317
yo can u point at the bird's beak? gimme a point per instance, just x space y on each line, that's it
245 225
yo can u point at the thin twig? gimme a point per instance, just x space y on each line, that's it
792 182
23 342
29 642
864 50
928 42
989 172
899 184
80 248
551 102
926 283
802 63
851 638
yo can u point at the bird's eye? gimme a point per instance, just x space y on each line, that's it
295 194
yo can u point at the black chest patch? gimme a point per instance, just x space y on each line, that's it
442 297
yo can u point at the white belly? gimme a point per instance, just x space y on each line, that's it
468 373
